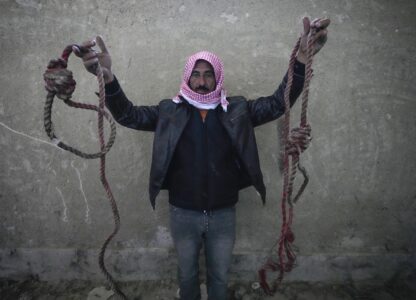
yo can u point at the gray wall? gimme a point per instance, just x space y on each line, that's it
356 219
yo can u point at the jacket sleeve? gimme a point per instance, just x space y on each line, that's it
127 114
266 109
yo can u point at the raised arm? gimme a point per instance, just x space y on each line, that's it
123 111
266 109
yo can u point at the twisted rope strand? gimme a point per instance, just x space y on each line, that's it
59 82
296 141
107 188
51 133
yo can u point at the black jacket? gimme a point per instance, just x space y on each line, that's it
168 119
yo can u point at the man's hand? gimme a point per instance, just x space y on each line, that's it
318 40
91 58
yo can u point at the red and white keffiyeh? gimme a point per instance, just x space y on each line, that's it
203 101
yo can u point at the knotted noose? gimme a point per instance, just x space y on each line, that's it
59 82
296 141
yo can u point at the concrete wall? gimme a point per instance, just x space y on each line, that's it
356 219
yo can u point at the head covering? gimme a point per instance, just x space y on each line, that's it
203 101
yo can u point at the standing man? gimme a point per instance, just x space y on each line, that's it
204 152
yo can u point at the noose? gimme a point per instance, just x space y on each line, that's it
296 141
59 82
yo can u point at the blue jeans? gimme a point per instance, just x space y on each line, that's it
190 230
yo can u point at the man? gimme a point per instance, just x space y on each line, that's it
204 152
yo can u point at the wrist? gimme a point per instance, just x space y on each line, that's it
109 78
301 57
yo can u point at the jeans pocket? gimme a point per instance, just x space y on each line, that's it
178 214
173 208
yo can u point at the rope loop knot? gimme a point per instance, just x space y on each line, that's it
59 80
296 141
299 140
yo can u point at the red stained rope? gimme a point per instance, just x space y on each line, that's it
59 82
296 141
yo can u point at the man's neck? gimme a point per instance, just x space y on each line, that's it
203 113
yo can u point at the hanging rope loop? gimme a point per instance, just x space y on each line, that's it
59 82
283 257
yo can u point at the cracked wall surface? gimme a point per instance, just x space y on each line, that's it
359 206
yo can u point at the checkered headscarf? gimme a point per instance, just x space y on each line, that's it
210 100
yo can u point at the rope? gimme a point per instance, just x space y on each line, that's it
296 141
59 82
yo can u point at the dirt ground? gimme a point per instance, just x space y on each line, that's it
397 288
